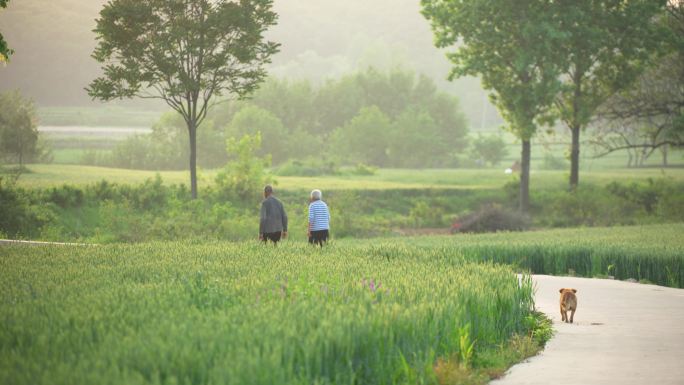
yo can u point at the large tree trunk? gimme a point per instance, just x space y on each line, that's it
525 177
574 157
192 130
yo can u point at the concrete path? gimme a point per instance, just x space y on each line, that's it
624 333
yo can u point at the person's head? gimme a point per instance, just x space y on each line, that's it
268 190
316 195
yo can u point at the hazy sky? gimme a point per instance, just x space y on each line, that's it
53 41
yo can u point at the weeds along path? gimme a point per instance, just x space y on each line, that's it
624 333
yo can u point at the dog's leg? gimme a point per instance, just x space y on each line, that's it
563 315
572 315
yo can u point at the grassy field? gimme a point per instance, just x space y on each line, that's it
400 310
43 175
653 253
243 313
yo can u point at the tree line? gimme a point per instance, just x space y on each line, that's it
381 119
545 60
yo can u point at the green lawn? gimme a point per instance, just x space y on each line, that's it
45 175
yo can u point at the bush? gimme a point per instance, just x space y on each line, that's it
554 163
586 206
245 175
363 169
19 217
423 214
65 196
491 218
644 195
488 149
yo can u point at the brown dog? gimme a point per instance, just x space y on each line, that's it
568 302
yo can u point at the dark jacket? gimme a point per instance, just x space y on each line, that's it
273 217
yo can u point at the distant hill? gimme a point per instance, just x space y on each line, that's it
320 39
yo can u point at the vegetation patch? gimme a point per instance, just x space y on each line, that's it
249 313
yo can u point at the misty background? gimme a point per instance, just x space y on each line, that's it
320 40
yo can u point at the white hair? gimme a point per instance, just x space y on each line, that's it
316 194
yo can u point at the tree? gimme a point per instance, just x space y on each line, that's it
365 139
186 53
645 118
18 129
607 44
252 120
650 114
416 141
5 52
490 149
241 178
512 46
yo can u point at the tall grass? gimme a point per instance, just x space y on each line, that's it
247 313
652 253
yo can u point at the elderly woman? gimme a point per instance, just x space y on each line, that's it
319 219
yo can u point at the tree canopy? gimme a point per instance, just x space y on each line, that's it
186 53
607 45
512 46
5 52
649 115
18 129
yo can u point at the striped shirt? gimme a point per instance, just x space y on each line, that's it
319 216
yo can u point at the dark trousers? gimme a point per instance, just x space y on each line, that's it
318 237
275 237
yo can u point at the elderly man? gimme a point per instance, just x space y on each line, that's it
273 223
319 219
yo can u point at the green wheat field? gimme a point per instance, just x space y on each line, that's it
372 311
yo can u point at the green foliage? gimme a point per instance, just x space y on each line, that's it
20 215
365 138
288 315
245 174
364 170
416 141
638 252
647 116
389 202
362 117
489 149
512 47
166 147
18 129
607 44
615 204
466 346
187 53
140 43
539 327
424 215
491 218
5 51
252 120
552 162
